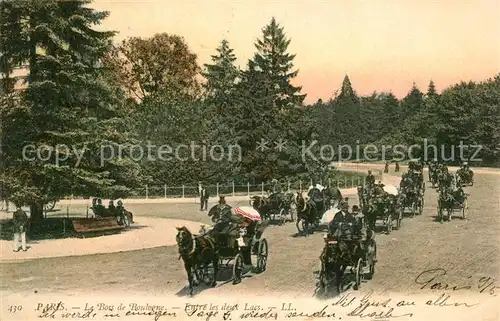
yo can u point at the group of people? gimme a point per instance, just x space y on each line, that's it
112 210
386 168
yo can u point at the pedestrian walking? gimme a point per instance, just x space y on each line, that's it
20 220
203 198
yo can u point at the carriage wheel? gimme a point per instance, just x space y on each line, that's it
389 224
358 273
292 212
237 268
465 209
262 256
49 206
371 257
324 281
206 273
282 216
440 213
301 225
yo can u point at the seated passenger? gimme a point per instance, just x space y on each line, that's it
99 209
112 208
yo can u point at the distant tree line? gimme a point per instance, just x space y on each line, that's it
83 91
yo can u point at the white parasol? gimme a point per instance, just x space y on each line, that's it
329 215
246 212
320 187
391 189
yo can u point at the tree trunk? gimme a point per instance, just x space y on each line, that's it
36 211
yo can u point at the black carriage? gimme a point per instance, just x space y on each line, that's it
383 209
411 202
335 260
238 247
449 203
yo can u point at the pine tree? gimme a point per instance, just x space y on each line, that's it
66 102
347 93
431 90
347 114
273 60
221 75
413 102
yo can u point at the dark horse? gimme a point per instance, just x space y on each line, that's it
324 199
332 194
264 205
197 252
306 213
214 213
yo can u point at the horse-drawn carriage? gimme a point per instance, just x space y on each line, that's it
311 208
451 201
277 207
464 177
411 195
339 253
225 242
380 203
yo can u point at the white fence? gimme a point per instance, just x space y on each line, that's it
234 189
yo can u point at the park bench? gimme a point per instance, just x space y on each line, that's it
92 225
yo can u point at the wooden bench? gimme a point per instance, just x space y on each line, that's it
91 225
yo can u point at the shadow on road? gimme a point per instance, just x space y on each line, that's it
224 278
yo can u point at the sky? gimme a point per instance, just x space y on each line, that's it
382 45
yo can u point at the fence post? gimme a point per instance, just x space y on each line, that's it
183 191
300 186
288 185
165 190
329 182
262 189
248 188
352 181
147 192
233 188
217 189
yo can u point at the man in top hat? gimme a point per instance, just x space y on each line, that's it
203 198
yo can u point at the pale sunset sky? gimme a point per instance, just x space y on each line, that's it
383 45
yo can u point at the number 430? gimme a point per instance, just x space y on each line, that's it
14 308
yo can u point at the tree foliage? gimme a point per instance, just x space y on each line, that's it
81 91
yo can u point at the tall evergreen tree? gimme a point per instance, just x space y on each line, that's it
273 60
431 90
413 102
67 102
221 75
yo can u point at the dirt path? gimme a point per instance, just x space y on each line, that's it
465 248
145 233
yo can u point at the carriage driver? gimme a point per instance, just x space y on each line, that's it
347 227
341 218
370 179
